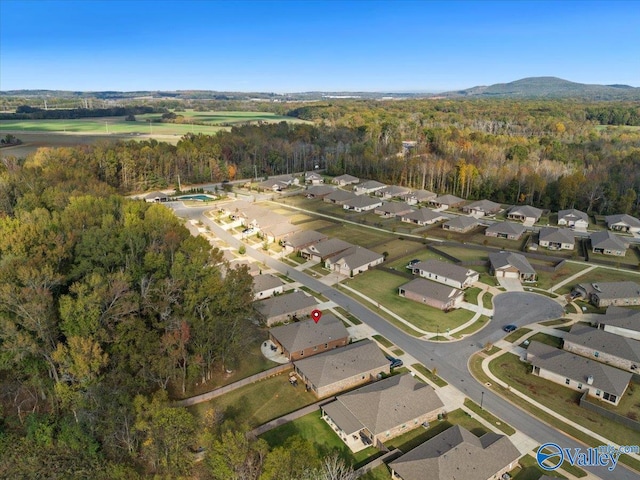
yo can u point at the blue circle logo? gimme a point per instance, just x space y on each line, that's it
553 456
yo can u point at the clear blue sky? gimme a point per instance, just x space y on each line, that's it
293 46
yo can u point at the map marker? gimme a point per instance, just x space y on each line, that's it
316 314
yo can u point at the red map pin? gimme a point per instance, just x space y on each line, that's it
316 314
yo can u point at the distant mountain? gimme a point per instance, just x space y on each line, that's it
548 87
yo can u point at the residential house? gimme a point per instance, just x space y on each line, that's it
362 203
423 216
446 201
303 239
368 187
313 178
353 261
284 308
621 321
482 208
573 218
378 412
392 191
320 251
307 338
156 197
345 179
343 368
511 265
507 230
252 268
460 224
319 191
431 293
556 238
393 209
623 223
525 214
456 454
607 243
578 373
418 196
602 346
278 231
266 285
274 184
447 273
603 294
339 197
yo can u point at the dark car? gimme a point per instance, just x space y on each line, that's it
412 263
509 328
394 362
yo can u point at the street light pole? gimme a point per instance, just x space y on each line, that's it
481 399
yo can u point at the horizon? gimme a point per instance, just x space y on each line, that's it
317 46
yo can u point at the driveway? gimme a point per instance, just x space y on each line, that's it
522 308
511 284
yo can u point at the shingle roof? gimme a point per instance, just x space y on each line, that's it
356 257
394 207
340 196
362 201
265 282
507 228
328 247
307 333
419 195
612 290
385 404
484 206
156 194
423 215
319 190
526 211
393 190
557 235
622 218
503 259
370 184
284 304
428 289
447 200
572 215
606 239
342 363
577 368
461 223
448 270
620 317
605 342
346 178
457 453
304 238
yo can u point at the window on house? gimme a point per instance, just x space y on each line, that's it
598 392
613 398
326 345
315 348
579 386
596 354
567 381
302 353
606 396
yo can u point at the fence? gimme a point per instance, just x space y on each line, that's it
626 421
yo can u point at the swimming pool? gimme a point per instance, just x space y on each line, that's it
199 198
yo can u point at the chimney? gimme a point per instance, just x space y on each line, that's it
590 380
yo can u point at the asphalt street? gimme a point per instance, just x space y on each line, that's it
450 359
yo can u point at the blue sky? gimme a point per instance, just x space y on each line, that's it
294 46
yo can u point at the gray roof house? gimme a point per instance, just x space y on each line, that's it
307 338
274 184
418 196
423 216
603 294
573 218
319 191
457 453
362 203
623 223
525 213
393 209
339 197
607 243
603 346
286 307
382 410
369 186
621 321
156 196
461 224
354 260
303 239
266 285
345 180
324 249
557 238
431 293
577 372
446 201
511 265
447 273
313 177
508 230
482 208
392 191
342 368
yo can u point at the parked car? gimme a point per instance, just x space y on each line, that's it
394 362
412 263
248 231
509 328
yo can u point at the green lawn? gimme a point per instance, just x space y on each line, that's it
547 339
316 430
492 419
529 470
383 341
603 274
383 288
259 402
629 405
296 258
399 249
471 295
400 264
363 236
516 334
546 280
381 472
474 327
430 375
560 399
353 319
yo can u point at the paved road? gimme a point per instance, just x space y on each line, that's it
450 359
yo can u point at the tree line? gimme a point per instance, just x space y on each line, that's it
26 112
